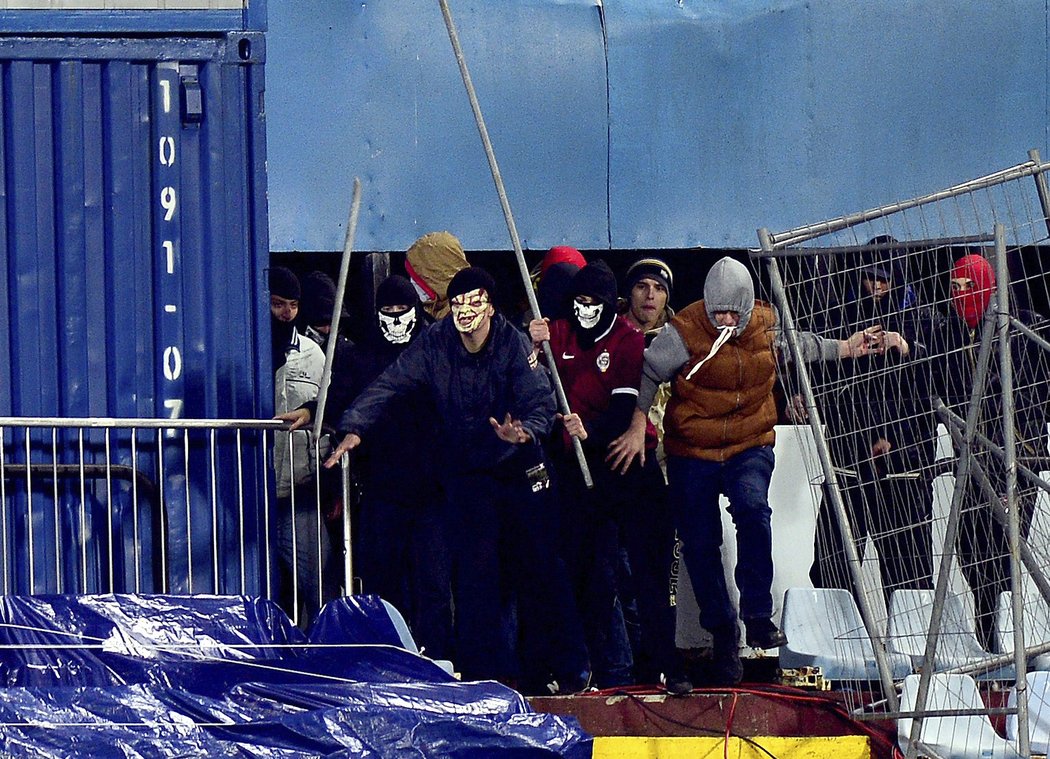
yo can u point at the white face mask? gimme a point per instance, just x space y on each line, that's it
587 315
469 310
397 328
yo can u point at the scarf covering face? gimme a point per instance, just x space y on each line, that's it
728 287
592 322
971 304
400 327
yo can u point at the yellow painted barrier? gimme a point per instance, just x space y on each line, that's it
841 747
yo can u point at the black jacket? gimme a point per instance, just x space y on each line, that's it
880 396
466 390
395 462
954 378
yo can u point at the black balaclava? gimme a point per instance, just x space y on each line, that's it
284 284
318 302
553 295
591 323
398 329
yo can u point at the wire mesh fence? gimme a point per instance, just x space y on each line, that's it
931 445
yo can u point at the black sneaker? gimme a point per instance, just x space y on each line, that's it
677 684
762 633
726 669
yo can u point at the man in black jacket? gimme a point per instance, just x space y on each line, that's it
880 430
494 406
982 544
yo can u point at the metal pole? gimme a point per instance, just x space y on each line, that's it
952 528
1010 444
523 269
992 448
801 234
337 309
348 556
1040 187
832 490
1027 557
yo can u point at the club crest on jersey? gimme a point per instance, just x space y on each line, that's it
603 362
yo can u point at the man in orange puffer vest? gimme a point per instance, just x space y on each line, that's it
720 356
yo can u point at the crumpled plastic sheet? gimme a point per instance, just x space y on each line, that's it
160 676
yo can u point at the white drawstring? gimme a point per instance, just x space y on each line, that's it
727 332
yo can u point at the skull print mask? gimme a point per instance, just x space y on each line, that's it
397 327
587 315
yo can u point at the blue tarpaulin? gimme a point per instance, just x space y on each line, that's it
138 675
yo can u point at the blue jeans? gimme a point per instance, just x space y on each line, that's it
695 486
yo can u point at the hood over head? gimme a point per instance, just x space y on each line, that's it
554 292
432 261
729 287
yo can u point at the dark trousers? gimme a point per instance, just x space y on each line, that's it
628 512
303 584
504 549
983 547
895 513
695 486
402 555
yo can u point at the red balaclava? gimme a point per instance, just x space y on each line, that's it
971 304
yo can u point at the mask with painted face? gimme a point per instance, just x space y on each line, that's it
469 310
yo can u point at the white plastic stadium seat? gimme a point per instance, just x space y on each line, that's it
824 630
407 641
401 627
1036 627
959 737
1038 713
957 645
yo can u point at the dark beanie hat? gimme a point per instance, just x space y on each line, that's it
396 290
284 283
318 299
596 280
472 278
649 267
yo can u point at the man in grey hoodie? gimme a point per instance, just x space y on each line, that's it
720 356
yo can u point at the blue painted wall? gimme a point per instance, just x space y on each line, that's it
638 124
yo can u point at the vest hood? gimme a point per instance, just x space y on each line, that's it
729 287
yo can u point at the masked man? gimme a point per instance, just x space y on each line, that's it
982 545
599 359
494 406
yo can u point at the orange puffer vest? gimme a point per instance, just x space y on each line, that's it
727 407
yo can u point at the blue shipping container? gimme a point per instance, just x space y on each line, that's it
133 238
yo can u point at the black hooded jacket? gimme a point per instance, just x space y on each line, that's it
395 456
880 396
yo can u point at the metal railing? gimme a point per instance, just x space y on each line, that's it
102 505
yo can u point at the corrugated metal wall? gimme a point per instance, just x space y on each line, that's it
133 241
132 179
